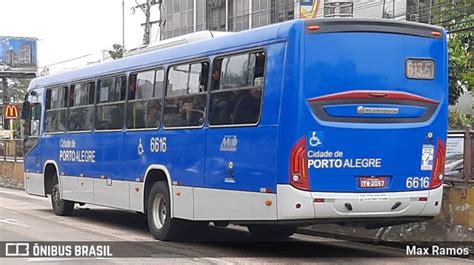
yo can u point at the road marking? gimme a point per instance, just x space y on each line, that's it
12 222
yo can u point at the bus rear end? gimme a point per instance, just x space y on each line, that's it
364 141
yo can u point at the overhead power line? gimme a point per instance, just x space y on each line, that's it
68 60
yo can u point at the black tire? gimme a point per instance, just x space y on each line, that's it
60 207
160 223
271 231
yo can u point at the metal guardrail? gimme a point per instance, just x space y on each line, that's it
466 177
11 150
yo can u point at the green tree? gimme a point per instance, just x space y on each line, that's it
117 51
458 19
18 90
459 120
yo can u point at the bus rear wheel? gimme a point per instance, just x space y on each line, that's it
160 223
60 207
271 231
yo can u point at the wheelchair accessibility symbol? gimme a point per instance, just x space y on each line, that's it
316 139
141 150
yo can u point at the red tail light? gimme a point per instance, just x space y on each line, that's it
299 177
313 27
438 171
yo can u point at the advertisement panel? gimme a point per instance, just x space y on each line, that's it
309 8
18 54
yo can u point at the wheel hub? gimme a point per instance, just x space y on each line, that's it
159 211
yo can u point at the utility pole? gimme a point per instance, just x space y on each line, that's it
6 101
383 9
123 25
145 7
393 9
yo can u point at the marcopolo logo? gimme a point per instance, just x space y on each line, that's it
229 143
377 110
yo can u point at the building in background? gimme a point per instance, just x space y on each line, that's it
180 17
186 16
338 9
420 10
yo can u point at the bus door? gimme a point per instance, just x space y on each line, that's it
34 179
110 188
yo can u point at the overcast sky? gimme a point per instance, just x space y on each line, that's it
71 28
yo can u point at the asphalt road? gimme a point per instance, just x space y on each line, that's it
29 218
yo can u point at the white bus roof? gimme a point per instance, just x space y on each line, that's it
176 41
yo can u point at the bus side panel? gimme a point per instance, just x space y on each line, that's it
34 179
89 167
181 151
289 108
252 165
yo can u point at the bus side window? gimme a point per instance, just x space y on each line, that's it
236 91
185 100
81 106
110 101
32 124
56 109
145 93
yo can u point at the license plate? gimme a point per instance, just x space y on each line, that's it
372 182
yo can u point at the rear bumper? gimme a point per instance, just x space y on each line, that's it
294 204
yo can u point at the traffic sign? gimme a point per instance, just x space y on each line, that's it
11 112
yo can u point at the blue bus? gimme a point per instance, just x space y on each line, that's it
338 121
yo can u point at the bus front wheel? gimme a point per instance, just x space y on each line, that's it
60 207
160 223
271 231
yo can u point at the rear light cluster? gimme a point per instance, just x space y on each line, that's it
299 177
438 171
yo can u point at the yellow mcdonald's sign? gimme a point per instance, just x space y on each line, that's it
11 112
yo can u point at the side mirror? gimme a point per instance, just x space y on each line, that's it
25 110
